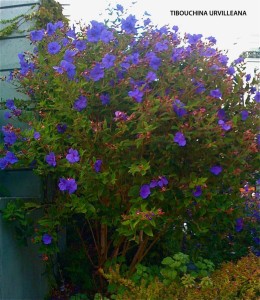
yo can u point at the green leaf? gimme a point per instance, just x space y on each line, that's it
167 261
143 206
127 222
31 205
136 223
148 231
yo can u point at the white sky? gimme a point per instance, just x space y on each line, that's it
233 33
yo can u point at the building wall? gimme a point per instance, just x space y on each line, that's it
21 268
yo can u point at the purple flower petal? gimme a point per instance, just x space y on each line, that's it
80 103
244 115
197 192
46 239
97 165
215 93
50 159
73 156
216 170
257 97
67 184
239 224
145 191
179 138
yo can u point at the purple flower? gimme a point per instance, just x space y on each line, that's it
71 33
69 68
221 114
200 87
225 126
179 138
106 36
153 183
238 60
252 89
17 112
58 69
163 30
51 28
95 31
175 28
154 61
223 59
215 68
10 137
248 77
69 55
68 184
244 115
120 75
211 39
81 45
10 104
231 70
97 165
61 128
147 21
120 116
128 24
65 42
257 97
194 38
73 156
239 224
80 103
59 24
151 76
46 239
37 35
108 61
162 181
145 191
137 95
178 108
134 58
161 46
11 158
125 65
63 184
50 159
3 163
120 8
215 93
197 192
216 170
54 48
97 73
105 99
36 135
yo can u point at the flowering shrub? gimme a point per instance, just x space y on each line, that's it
140 129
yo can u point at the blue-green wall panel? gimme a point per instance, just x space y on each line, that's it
21 268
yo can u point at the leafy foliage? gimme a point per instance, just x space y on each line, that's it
232 281
48 11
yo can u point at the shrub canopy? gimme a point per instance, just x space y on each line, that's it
140 129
